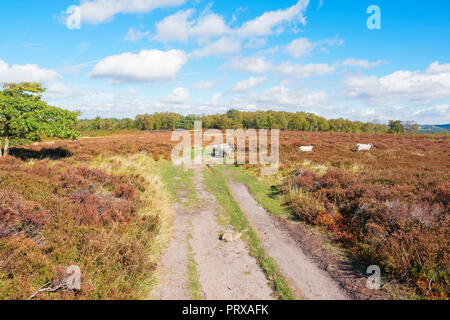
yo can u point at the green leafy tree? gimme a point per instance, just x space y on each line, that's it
233 114
187 122
396 126
23 115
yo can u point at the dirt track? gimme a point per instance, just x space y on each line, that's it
173 280
308 280
225 269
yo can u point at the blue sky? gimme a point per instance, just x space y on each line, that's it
196 56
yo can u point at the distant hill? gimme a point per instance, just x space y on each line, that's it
427 128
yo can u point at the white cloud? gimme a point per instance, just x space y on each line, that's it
146 66
320 5
439 114
214 101
60 91
436 68
221 46
300 47
267 23
281 97
179 99
178 96
203 85
76 69
255 43
250 65
361 63
179 27
95 101
260 65
209 25
247 85
175 27
28 72
135 35
418 87
305 71
133 91
182 27
100 11
325 44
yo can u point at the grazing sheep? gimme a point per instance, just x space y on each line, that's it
362 147
222 150
306 148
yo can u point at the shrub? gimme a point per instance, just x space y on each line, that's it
54 214
18 216
393 211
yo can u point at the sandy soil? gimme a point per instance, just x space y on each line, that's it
173 281
307 279
226 270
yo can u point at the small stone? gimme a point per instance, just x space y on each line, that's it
331 267
230 236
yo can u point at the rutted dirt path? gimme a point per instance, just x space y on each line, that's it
308 280
173 280
225 269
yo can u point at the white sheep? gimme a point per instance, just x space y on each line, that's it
222 150
306 148
363 147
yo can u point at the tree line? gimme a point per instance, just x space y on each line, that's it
25 117
234 119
